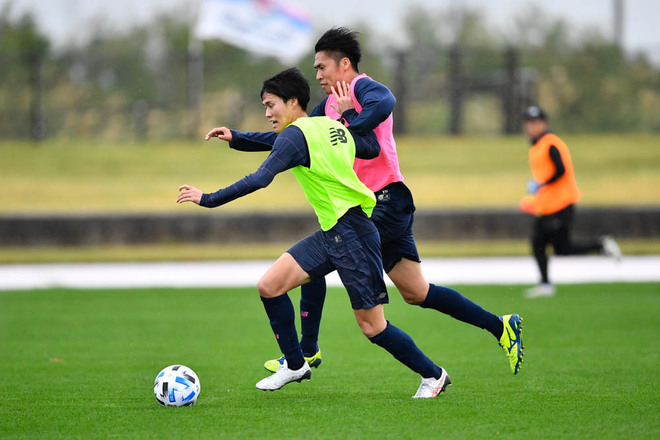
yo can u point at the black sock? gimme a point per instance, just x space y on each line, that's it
282 321
312 297
452 303
403 348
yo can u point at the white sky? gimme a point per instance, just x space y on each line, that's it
66 20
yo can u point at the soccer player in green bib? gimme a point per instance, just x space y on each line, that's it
320 152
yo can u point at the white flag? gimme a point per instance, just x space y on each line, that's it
265 27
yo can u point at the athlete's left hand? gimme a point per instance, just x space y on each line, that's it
342 94
189 193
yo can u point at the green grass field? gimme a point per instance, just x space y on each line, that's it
81 364
70 177
442 172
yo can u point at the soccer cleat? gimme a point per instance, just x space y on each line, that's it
272 364
610 248
540 290
431 387
511 341
315 360
283 376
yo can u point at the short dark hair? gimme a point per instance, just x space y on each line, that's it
288 84
341 42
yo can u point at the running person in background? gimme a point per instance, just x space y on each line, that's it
320 152
553 193
337 54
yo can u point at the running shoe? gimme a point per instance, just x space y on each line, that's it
610 247
540 291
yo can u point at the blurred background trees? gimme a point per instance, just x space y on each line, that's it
136 84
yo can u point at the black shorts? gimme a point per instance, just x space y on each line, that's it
393 217
352 248
553 225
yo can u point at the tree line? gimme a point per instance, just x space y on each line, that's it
137 84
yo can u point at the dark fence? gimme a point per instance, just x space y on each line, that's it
113 94
213 228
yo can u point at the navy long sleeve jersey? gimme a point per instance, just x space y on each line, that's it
377 103
289 149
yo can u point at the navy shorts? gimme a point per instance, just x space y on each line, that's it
352 248
393 217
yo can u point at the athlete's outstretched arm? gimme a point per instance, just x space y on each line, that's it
289 150
252 140
244 141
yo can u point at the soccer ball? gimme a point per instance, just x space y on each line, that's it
177 385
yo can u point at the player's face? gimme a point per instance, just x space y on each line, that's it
535 127
279 113
327 71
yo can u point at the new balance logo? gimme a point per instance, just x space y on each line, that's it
384 196
337 135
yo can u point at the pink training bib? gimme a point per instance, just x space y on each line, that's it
379 172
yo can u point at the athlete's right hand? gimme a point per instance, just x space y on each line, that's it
222 133
188 193
342 94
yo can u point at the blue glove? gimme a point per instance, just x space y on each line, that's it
532 186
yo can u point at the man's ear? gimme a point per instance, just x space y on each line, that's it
345 63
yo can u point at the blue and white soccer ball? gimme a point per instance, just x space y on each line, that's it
177 385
